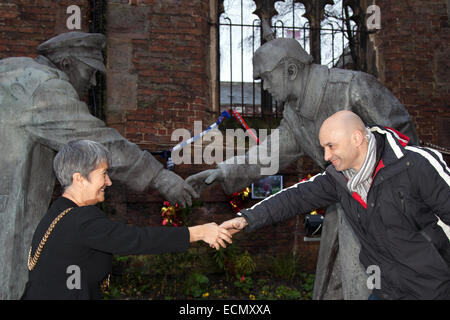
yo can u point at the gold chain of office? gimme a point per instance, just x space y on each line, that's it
33 261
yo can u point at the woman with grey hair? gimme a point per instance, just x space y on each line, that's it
71 251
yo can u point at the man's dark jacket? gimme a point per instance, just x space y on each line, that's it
397 227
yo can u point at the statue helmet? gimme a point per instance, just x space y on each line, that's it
86 47
269 55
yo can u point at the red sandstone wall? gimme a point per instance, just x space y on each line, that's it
413 49
24 24
157 68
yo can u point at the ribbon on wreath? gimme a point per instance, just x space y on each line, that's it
244 124
225 114
168 154
238 199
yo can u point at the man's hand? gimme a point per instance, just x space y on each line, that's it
202 179
174 189
234 225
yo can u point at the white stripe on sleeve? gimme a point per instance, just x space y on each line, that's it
439 155
436 165
293 186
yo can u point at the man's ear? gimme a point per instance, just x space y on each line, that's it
357 138
65 64
292 71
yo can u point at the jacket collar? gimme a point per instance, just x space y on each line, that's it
393 157
390 144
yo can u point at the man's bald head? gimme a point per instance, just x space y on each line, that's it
343 137
346 121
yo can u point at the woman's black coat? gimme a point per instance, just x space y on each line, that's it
81 245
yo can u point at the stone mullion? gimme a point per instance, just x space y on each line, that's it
265 10
315 14
357 41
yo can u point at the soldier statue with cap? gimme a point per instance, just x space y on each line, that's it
41 110
311 93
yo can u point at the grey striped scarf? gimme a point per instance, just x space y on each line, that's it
360 181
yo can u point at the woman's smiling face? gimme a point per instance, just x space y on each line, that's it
95 185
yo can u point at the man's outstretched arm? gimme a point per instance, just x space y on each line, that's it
303 197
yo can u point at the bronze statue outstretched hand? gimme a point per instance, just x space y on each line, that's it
174 189
205 178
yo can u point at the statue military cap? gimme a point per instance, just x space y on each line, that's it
267 57
86 47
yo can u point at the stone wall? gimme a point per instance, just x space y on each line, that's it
158 76
413 61
24 24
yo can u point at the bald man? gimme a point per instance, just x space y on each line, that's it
392 195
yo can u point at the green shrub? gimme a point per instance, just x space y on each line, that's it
244 264
285 267
243 284
284 292
196 284
307 284
225 260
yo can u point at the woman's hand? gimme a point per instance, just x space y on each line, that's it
212 234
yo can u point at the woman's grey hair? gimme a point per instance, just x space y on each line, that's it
81 156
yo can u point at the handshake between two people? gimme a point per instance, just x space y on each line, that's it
217 235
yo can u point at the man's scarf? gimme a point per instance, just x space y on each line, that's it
360 181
